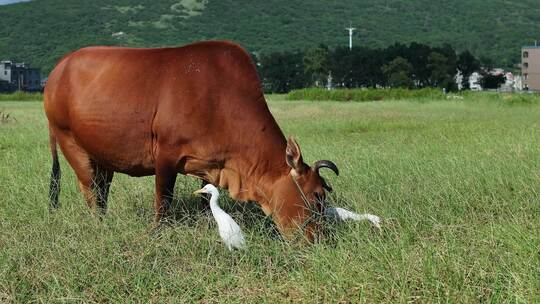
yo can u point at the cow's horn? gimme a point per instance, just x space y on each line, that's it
325 164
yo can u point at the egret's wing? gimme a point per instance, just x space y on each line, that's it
230 232
340 214
235 238
345 214
375 220
238 241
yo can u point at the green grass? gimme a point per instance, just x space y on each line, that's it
457 182
425 94
21 96
318 94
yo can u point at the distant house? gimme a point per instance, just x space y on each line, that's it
530 67
512 82
509 84
474 82
19 77
44 81
518 83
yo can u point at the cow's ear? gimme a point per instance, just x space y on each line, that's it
294 156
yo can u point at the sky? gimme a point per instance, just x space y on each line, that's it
4 2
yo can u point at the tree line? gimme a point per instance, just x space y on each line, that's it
407 66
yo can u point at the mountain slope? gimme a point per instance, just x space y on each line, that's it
41 31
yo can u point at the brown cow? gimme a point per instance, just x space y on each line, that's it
197 110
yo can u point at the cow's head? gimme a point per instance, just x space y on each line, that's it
298 197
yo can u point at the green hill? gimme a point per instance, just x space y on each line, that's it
41 31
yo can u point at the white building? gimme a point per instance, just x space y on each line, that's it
474 82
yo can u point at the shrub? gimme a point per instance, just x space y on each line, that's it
365 94
21 96
503 98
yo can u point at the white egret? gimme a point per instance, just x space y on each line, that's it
340 214
229 231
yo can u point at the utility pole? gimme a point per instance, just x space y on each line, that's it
350 29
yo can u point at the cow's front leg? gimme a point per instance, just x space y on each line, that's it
165 178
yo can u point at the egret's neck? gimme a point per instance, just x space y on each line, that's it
214 203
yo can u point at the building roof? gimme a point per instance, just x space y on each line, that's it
531 47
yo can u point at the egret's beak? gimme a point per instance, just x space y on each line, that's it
198 192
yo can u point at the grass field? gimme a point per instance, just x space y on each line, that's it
457 183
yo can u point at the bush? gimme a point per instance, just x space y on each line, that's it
21 96
502 98
365 94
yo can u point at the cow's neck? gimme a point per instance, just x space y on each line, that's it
250 177
252 160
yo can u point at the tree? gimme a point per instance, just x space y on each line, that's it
491 81
316 64
442 71
282 72
410 66
418 54
359 67
487 63
367 67
398 73
341 65
467 64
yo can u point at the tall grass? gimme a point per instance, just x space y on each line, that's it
427 94
506 98
317 94
21 96
456 182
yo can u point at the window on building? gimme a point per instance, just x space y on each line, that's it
5 72
525 64
525 54
525 76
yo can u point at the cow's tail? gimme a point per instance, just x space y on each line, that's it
54 187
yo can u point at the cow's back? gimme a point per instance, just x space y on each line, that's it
118 102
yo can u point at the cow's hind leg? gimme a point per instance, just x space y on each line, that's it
54 187
86 170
